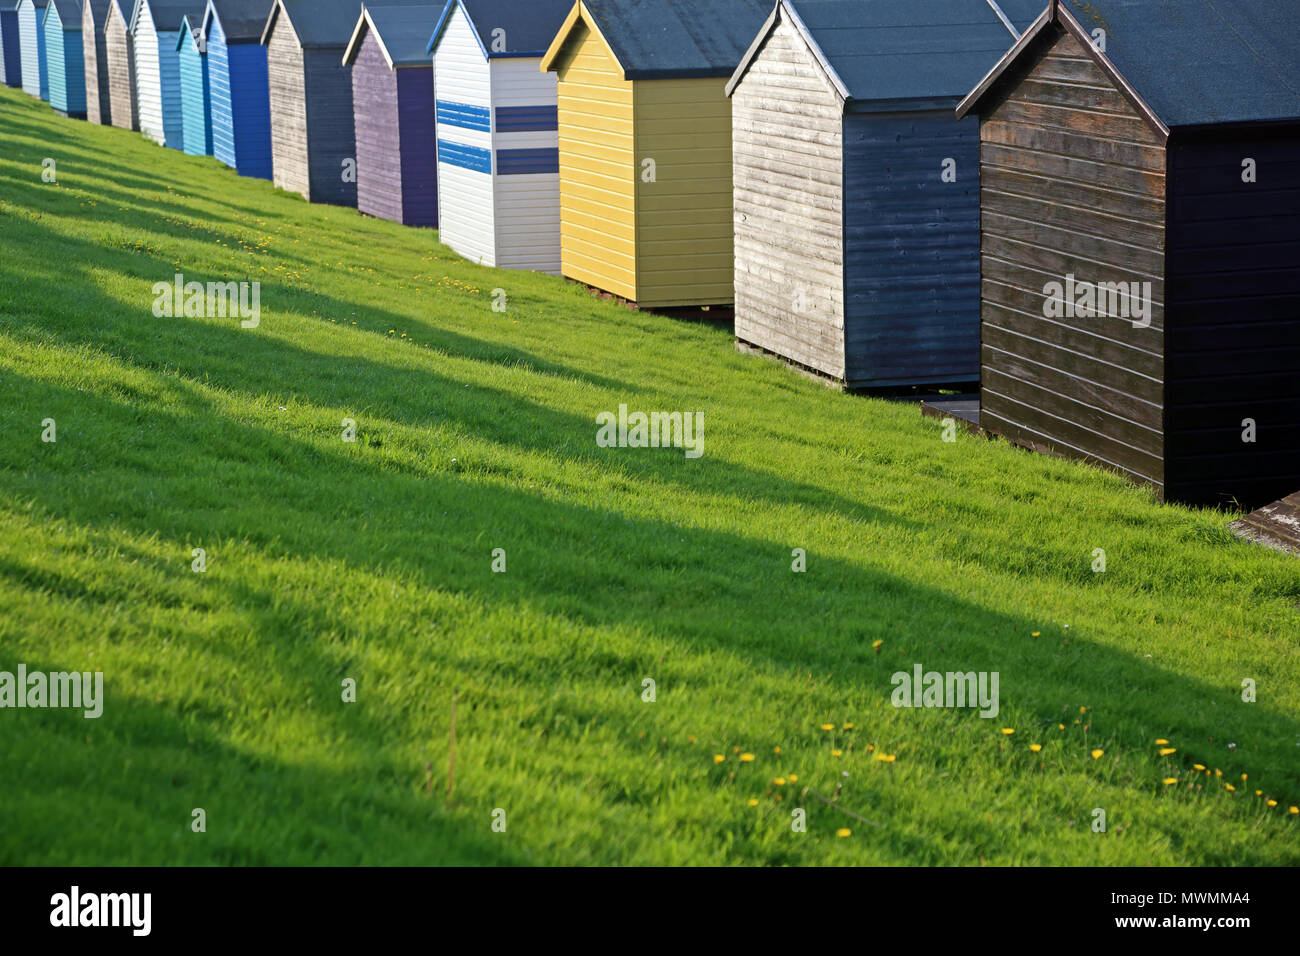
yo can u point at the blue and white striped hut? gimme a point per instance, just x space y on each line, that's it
31 42
64 60
156 25
241 101
498 140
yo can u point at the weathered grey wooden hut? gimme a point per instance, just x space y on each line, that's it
1141 234
313 136
856 192
94 17
119 51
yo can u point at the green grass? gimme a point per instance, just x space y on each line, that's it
476 430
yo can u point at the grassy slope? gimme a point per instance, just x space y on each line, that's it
372 561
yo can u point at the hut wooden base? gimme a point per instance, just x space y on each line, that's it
1275 526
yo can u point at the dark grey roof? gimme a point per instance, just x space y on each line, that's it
1199 62
69 13
242 21
679 38
930 51
98 11
529 27
325 23
403 32
168 14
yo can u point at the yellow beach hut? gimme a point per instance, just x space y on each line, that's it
645 145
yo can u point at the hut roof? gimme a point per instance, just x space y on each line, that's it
922 50
402 32
1191 63
242 21
69 13
662 39
316 23
168 14
99 11
529 28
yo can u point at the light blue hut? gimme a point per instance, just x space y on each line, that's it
31 43
196 98
65 65
237 78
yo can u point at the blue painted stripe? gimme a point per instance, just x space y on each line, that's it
527 119
522 162
465 116
466 157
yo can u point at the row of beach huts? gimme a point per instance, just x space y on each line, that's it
1089 207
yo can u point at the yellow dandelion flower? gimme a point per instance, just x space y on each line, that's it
753 802
1166 751
875 646
1259 793
1008 730
794 778
836 753
746 758
828 726
1294 809
1096 754
1035 747
1198 766
1083 710
735 750
1230 786
1170 780
843 832
1243 776
779 781
1160 741
848 726
718 758
1218 772
1060 726
886 758
1271 803
776 750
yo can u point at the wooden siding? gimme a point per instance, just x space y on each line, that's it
119 48
1072 182
331 128
378 132
98 109
684 240
241 107
598 171
148 83
1232 343
288 98
196 99
169 78
526 211
465 205
911 249
11 64
31 40
67 69
419 146
787 146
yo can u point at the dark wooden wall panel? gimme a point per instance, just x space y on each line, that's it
331 127
1072 182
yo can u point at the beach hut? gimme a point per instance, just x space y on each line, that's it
64 62
1140 234
498 139
31 41
857 193
313 136
94 18
119 50
645 145
155 27
392 102
11 64
196 100
241 104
